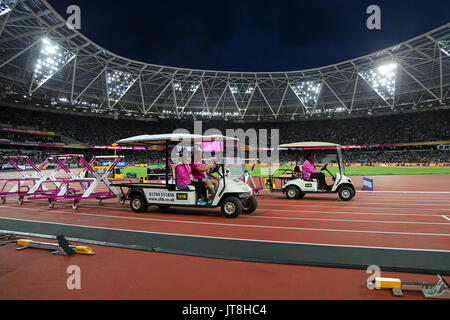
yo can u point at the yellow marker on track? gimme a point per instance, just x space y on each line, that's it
63 247
437 290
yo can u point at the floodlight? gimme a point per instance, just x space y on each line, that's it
445 47
5 6
177 86
307 92
52 58
242 94
382 79
241 89
118 83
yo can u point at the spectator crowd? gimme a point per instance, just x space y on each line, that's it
94 130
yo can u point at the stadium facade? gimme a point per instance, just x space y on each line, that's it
42 57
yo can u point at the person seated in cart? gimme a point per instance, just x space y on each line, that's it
296 170
310 172
183 174
200 171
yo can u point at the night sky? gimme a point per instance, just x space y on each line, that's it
251 35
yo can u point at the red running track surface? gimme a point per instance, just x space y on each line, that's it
376 219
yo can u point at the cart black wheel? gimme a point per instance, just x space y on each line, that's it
2 200
75 204
163 206
138 203
231 207
250 206
20 201
346 193
51 203
121 200
294 192
256 192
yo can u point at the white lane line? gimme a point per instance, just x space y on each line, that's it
351 213
309 205
402 195
307 202
361 199
227 238
347 220
415 200
312 219
269 210
406 192
251 226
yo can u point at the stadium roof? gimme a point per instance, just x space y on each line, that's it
309 144
151 139
41 56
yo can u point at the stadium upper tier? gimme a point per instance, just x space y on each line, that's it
43 57
426 126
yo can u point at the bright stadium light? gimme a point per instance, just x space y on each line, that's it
5 6
184 89
307 92
382 79
177 86
52 58
241 89
242 94
186 86
118 83
445 47
193 87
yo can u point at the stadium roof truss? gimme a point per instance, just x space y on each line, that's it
41 56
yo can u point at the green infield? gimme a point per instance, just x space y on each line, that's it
265 171
261 171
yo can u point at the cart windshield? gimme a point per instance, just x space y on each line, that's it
234 167
332 157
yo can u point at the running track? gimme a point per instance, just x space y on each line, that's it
417 219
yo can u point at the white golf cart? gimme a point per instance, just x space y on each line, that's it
295 187
232 195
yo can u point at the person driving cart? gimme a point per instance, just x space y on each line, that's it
296 170
310 172
183 174
200 171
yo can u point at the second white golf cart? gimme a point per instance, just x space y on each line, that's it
296 187
232 195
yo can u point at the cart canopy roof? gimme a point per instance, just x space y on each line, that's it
172 138
310 145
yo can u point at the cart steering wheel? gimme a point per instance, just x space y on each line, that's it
324 168
216 170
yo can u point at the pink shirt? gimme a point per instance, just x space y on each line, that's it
307 169
198 174
182 173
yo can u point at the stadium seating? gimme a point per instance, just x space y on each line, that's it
92 130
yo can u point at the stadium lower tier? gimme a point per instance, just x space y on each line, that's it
92 129
416 157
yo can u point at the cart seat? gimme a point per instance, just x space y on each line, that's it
301 175
185 188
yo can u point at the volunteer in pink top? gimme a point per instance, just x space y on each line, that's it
199 171
183 173
310 172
